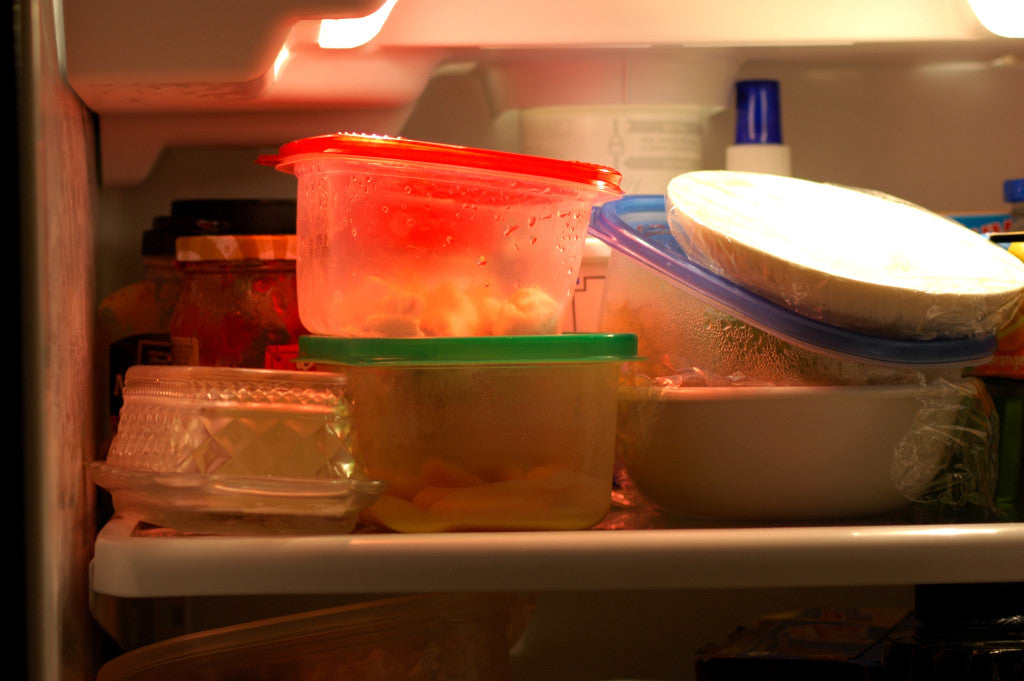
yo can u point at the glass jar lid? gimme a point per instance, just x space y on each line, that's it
236 247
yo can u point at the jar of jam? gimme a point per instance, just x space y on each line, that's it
238 304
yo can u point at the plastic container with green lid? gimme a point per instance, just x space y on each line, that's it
483 433
497 350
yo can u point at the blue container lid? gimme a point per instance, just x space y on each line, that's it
637 226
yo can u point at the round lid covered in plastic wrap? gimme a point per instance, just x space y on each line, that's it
852 258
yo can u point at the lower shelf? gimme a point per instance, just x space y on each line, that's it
129 563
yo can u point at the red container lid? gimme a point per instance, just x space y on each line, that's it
381 147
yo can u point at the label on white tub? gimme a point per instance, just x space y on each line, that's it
649 145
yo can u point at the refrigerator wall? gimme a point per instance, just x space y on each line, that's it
56 168
124 109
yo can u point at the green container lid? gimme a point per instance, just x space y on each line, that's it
561 348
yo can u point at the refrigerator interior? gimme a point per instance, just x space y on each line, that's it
121 112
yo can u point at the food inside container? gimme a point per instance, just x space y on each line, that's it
483 433
234 450
852 258
422 637
401 238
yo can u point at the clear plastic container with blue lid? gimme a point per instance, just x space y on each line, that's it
695 325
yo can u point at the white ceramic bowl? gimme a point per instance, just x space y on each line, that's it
783 453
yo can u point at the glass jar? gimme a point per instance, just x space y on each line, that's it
133 322
238 306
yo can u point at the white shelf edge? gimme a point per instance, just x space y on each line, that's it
153 567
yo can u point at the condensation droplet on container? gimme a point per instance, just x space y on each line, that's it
482 260
449 240
509 229
532 221
533 240
384 209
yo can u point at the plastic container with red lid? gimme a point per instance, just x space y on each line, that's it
400 238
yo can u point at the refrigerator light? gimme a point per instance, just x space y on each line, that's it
353 32
1005 18
281 60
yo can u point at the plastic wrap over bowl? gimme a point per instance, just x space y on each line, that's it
806 453
400 238
235 450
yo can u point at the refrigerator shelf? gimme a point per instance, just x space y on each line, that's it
128 565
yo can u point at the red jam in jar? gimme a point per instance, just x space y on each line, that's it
238 303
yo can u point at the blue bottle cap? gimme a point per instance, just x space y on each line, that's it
1013 190
757 112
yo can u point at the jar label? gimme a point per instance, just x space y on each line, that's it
281 357
184 350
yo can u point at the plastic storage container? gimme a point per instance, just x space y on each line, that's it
835 423
400 238
484 433
1004 375
235 450
689 317
405 638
